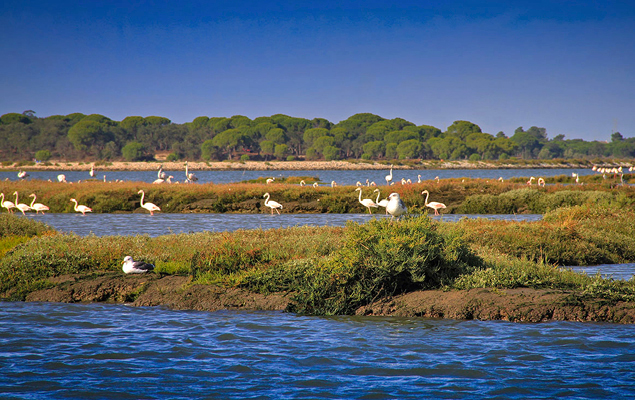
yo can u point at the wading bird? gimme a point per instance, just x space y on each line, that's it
20 206
148 206
189 176
81 208
274 205
61 178
530 181
37 206
22 174
381 203
433 204
92 171
395 206
160 173
131 266
541 182
389 177
6 203
368 203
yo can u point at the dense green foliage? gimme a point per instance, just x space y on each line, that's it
377 259
361 136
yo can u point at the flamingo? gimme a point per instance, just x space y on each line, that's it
92 171
131 266
61 178
576 176
368 203
501 179
436 178
270 180
22 174
20 206
315 185
80 208
148 206
383 202
389 177
37 206
302 182
395 206
189 176
541 182
333 183
274 205
6 204
529 182
160 173
433 204
418 178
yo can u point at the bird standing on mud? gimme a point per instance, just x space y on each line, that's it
131 266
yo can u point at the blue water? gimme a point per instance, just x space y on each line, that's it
97 351
325 176
614 271
164 223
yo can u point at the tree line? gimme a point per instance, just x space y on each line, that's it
365 136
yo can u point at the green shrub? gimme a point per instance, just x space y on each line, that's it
43 155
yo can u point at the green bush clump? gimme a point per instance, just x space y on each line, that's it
380 258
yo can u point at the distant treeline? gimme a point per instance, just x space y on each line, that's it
362 136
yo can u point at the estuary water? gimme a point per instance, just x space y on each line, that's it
165 223
99 351
325 176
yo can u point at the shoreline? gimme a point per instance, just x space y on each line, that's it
56 165
488 304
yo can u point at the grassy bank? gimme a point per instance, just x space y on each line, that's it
463 196
336 270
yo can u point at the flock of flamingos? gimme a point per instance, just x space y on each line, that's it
393 204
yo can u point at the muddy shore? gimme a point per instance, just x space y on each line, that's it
279 165
518 305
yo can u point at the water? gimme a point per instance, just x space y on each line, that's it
98 351
164 224
326 176
615 271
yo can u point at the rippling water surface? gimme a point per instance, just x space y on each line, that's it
71 351
326 176
164 224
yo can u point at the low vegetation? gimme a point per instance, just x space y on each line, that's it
332 270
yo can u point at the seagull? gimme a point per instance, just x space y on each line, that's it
131 266
80 208
6 204
433 204
148 206
395 206
37 206
272 204
368 203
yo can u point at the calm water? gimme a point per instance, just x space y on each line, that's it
615 271
341 177
164 224
97 351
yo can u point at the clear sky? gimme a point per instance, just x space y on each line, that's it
567 66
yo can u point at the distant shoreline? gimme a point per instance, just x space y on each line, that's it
287 165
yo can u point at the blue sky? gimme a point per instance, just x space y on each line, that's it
567 66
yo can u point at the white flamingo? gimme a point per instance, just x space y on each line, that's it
20 206
418 178
270 180
161 180
22 174
92 171
395 206
541 182
274 205
6 203
530 181
389 177
81 208
433 204
148 206
61 178
37 206
381 203
333 183
302 183
189 176
315 185
161 174
368 203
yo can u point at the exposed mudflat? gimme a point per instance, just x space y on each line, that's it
176 292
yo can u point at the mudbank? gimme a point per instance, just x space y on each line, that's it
176 292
